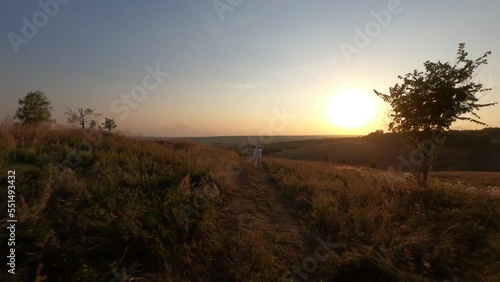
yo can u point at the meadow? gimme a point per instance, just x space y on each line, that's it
468 150
125 210
385 228
97 206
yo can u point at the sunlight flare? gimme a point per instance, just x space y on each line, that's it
351 109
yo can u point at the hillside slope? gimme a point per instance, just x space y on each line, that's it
466 153
92 206
106 206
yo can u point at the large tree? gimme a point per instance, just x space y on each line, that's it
426 103
34 109
81 116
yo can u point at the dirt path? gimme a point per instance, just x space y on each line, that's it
267 210
260 216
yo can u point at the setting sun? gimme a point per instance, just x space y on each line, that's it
351 109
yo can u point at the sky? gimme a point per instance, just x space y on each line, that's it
236 67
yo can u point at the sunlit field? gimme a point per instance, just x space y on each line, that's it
125 211
384 228
171 211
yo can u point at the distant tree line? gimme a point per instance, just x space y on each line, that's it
35 108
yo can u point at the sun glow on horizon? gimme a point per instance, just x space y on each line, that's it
351 110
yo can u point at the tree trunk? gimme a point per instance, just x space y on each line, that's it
426 166
82 119
425 174
422 171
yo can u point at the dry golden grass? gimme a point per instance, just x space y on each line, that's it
476 179
384 227
107 206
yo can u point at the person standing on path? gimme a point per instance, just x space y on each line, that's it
259 157
255 156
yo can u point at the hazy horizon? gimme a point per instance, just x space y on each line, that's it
211 68
219 136
273 136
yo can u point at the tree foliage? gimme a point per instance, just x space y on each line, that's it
81 116
34 109
109 124
428 102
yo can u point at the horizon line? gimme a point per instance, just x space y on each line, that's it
218 136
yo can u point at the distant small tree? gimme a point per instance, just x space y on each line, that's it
92 124
109 124
426 103
81 116
325 159
34 109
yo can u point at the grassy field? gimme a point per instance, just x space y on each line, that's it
358 152
477 179
219 140
462 151
383 228
93 206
